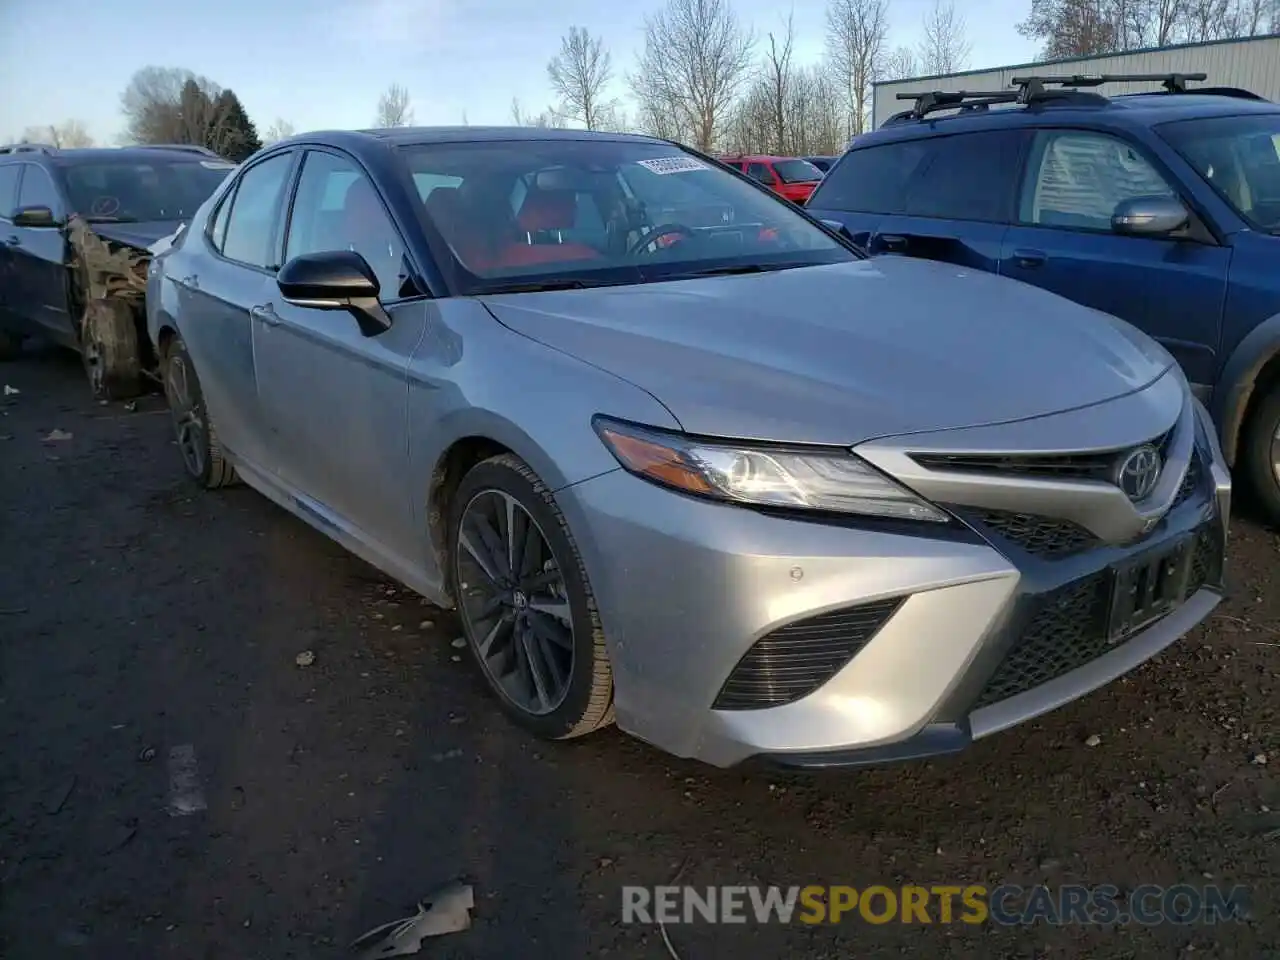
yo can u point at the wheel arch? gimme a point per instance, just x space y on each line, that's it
1252 370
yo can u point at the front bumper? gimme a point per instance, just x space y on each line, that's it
975 634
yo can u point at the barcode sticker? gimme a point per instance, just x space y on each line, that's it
665 165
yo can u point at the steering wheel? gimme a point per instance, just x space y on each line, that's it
651 238
104 206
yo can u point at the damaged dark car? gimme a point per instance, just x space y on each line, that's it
76 229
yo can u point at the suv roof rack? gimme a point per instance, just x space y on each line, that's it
28 148
183 147
1172 82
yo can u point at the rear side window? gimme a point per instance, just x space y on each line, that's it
871 180
251 228
758 171
969 177
8 189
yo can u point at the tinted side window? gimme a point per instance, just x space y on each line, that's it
969 177
871 180
250 232
760 172
1076 178
337 208
37 190
8 189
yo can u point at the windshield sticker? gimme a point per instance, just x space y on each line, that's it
665 165
217 165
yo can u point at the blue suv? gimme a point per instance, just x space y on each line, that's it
1161 208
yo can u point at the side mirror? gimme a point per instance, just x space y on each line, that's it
335 280
34 217
1149 216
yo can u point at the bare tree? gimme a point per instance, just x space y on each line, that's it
170 105
901 65
945 48
70 134
856 35
1207 20
579 74
777 77
695 58
547 118
394 109
280 130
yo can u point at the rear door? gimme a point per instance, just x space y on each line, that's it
1171 288
959 202
8 239
39 259
866 185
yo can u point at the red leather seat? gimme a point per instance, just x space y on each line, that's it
545 212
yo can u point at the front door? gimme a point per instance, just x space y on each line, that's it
336 400
1172 289
39 260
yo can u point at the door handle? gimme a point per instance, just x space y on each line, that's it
1029 259
893 242
13 240
266 313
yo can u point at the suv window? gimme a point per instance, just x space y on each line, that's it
871 180
969 177
8 189
759 171
37 189
250 231
337 208
1076 178
1239 157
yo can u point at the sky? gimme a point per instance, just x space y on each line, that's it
323 63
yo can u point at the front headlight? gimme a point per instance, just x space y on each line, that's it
768 476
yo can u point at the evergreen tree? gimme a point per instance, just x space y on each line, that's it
236 135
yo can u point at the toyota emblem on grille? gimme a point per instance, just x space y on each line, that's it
1139 472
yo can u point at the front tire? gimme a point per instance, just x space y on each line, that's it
193 428
1261 454
109 351
526 605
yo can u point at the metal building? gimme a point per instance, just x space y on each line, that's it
1249 62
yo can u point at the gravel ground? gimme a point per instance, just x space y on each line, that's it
144 624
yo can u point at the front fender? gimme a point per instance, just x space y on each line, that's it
1236 383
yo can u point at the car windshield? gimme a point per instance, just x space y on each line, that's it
796 171
136 190
536 213
1239 157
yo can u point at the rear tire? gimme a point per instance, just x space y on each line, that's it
10 345
551 636
109 350
193 427
1260 451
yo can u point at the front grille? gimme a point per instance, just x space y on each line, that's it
794 660
1069 627
1048 537
1190 481
1045 466
1068 631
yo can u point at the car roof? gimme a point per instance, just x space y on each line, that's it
1128 110
409 136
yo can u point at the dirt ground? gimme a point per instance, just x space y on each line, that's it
148 644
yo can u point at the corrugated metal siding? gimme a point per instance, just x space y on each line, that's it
1253 64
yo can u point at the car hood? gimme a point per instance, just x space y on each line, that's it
140 236
844 353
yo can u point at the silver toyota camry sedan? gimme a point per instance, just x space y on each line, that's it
680 455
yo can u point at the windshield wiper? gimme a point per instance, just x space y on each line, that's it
542 286
734 270
111 219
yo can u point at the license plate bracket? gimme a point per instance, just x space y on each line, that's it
1146 588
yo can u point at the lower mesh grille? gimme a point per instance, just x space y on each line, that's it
1069 629
1042 536
796 659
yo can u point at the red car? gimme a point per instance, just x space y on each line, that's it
791 177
